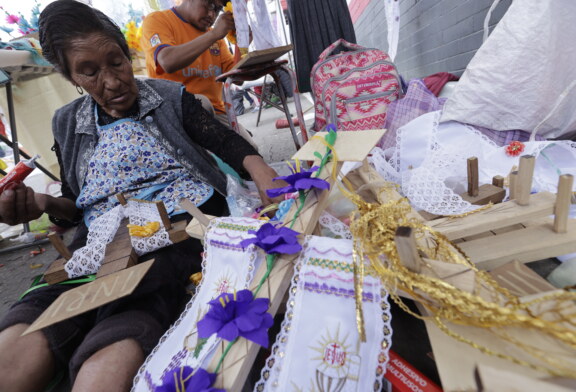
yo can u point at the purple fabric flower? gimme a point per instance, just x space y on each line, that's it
183 379
298 181
274 240
231 316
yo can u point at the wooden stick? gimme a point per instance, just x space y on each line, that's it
562 208
524 185
163 215
59 245
472 163
512 186
195 212
407 250
121 198
498 181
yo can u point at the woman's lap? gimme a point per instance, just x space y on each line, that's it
143 316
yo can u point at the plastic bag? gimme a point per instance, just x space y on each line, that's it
523 76
242 199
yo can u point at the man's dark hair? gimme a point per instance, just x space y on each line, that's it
65 20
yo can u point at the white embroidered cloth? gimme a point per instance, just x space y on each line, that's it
226 267
318 348
88 259
429 162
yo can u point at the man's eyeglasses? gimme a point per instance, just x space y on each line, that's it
212 6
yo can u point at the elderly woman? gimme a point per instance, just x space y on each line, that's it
145 138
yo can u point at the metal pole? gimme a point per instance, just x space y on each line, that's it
281 11
14 133
39 166
12 120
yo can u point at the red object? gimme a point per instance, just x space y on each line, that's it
436 81
37 252
356 8
514 149
2 128
283 123
19 173
405 378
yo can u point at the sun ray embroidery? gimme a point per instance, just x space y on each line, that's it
335 361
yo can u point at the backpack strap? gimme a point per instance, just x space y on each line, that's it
341 42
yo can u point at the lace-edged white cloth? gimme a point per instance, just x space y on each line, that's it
336 226
318 344
226 267
88 259
429 162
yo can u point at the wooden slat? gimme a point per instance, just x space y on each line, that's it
520 280
491 379
56 273
91 296
197 230
163 215
349 146
487 193
496 217
262 56
117 265
498 181
536 242
59 245
407 250
195 212
456 361
178 232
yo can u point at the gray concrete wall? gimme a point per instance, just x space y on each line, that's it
435 35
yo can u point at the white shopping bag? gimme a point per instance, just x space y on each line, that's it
523 76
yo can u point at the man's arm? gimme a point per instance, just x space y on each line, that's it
174 58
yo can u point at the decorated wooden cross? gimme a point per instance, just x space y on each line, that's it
117 277
302 217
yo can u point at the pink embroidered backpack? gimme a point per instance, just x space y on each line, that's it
352 89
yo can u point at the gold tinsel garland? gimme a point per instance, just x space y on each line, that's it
374 228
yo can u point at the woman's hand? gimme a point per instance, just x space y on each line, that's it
263 175
19 204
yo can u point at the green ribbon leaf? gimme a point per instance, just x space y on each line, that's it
330 137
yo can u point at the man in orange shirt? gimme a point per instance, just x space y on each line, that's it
180 45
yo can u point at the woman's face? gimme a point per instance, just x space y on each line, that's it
100 67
